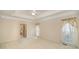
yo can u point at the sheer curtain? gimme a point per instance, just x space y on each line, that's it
70 32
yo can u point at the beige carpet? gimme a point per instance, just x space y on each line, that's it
33 44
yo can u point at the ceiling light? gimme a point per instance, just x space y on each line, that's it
34 12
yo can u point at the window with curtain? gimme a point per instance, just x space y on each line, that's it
70 32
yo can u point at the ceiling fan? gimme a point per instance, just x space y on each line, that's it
34 12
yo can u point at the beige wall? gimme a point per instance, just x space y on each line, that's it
51 30
9 30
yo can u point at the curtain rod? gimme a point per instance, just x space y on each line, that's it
70 18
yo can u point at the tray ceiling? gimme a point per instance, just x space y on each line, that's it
27 14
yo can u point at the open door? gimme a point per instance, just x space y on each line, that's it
23 31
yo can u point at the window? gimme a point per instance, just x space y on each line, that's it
70 32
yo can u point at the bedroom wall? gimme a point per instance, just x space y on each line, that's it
51 30
9 30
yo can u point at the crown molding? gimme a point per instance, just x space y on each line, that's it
58 15
10 17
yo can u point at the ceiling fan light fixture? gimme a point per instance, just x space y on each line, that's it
34 12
